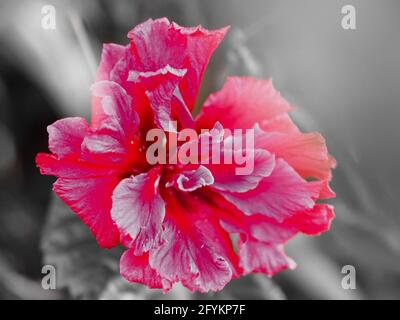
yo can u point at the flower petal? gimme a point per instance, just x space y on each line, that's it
137 269
114 138
191 258
66 136
277 196
235 168
227 178
114 66
116 116
195 249
305 152
139 210
159 87
281 123
90 199
256 256
72 168
194 179
325 191
313 221
157 43
110 55
256 226
241 103
261 238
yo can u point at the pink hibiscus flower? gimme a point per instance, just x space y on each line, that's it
176 220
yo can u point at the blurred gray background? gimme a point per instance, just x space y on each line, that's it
345 84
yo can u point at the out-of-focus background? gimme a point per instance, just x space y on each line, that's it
345 84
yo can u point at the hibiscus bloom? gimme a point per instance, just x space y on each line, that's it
201 225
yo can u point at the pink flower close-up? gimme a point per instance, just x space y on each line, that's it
198 224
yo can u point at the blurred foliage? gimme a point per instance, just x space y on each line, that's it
82 267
